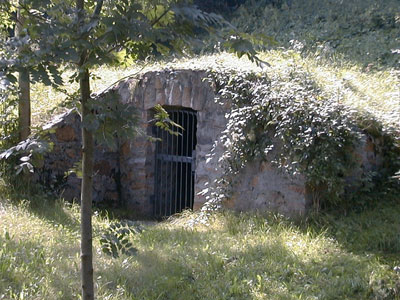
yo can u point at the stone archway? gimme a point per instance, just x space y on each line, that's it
128 177
183 89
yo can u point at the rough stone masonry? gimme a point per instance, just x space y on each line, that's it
126 176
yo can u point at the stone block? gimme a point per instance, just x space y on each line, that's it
71 153
197 205
65 134
158 84
160 99
187 96
126 90
254 181
149 99
71 194
229 203
299 189
197 98
139 184
111 197
103 167
175 95
125 149
265 166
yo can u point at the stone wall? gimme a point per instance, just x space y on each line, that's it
126 176
263 187
61 165
184 89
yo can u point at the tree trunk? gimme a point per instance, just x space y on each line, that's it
24 97
86 195
87 174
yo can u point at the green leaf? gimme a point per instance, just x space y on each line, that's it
91 123
25 158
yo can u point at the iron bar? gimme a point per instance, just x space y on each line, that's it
170 150
165 181
156 186
182 154
191 165
175 165
186 154
176 119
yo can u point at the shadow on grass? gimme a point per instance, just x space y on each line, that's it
202 267
44 206
232 261
27 268
372 230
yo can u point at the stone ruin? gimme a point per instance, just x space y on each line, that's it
153 179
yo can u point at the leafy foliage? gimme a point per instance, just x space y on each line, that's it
111 120
26 155
52 37
291 123
218 6
163 121
116 240
8 112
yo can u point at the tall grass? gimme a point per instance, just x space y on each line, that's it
364 32
232 257
375 91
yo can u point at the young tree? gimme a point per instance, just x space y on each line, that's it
13 25
85 34
24 97
25 52
168 27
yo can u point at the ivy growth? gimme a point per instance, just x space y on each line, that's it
292 124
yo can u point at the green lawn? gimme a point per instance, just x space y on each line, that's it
231 257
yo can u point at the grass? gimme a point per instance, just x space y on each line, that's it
365 32
376 92
232 257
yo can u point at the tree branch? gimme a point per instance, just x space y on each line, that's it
33 13
119 80
97 9
160 17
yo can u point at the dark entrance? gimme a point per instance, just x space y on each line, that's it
175 164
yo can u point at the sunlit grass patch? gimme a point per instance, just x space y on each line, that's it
248 257
363 31
235 256
40 256
374 91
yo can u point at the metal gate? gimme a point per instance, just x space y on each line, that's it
175 165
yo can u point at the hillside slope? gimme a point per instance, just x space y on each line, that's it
364 32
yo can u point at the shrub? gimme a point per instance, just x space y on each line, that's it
287 120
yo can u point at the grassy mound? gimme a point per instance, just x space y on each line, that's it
374 91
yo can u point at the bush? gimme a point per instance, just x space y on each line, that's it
287 120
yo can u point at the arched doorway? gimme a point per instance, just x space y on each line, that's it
175 164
